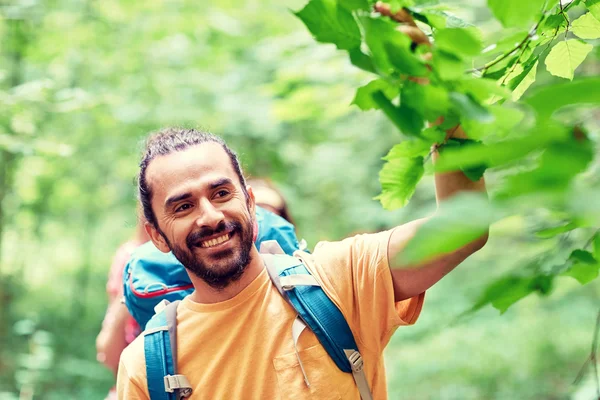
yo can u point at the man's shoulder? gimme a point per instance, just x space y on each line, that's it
346 249
133 358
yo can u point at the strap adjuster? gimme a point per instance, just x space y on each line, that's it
176 382
356 361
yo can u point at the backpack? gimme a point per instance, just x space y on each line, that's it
151 276
302 291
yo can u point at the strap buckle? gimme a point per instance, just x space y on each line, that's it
356 361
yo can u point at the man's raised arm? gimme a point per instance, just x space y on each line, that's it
413 279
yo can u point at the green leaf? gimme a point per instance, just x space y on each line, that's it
474 173
331 23
468 108
594 7
353 5
447 66
508 290
458 41
429 100
596 245
401 173
408 120
557 230
482 89
499 153
361 60
547 99
404 60
390 49
586 27
379 32
558 165
552 22
505 292
364 95
523 81
582 256
506 43
566 56
459 221
516 13
505 121
585 267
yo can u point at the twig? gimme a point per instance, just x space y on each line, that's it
594 352
530 34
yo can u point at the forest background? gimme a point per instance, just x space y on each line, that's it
83 82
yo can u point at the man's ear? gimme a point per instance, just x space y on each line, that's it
251 200
157 238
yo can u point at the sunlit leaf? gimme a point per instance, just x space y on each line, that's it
546 100
586 27
566 56
584 268
516 13
483 89
352 5
557 230
451 224
331 23
524 81
400 174
447 66
458 41
594 7
364 95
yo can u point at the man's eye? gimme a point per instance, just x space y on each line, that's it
221 193
183 207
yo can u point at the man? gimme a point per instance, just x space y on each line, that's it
233 334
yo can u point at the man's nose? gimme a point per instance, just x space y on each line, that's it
210 216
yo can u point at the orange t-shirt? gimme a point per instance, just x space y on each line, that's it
242 348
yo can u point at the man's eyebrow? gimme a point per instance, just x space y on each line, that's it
176 198
220 182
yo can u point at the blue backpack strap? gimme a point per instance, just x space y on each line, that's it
160 349
316 310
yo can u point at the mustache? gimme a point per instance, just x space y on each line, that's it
202 233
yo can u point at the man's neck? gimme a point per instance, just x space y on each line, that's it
206 294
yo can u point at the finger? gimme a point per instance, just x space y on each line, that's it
401 15
415 34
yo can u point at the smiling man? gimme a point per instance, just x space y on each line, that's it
233 333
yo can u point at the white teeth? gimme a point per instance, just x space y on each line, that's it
215 241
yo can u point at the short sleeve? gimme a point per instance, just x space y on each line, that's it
356 275
128 387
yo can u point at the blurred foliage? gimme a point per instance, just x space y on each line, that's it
83 82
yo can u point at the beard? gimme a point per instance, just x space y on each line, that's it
221 269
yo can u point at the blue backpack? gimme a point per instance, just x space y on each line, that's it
152 276
302 291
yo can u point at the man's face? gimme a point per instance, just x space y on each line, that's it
202 213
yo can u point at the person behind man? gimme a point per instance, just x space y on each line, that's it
270 198
118 327
233 336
